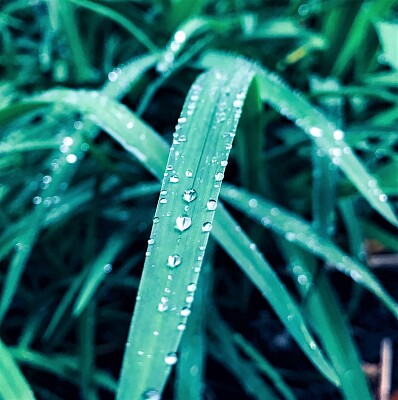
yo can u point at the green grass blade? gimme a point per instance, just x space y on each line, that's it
12 383
299 232
323 132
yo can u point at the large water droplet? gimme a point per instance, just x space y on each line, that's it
170 359
190 195
183 222
174 261
211 205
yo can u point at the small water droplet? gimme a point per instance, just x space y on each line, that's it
189 299
188 173
151 394
302 280
206 227
162 307
316 132
37 200
219 176
190 195
224 163
383 198
155 220
108 268
170 359
174 261
211 205
71 158
78 125
180 36
174 179
185 312
68 141
151 241
130 124
191 287
338 134
181 327
163 200
183 222
253 203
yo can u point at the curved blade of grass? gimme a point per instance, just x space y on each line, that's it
61 366
264 366
323 132
12 383
154 149
299 232
62 174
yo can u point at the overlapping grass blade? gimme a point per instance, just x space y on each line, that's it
299 232
12 383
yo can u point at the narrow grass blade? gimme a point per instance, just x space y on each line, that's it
299 232
12 383
265 367
61 366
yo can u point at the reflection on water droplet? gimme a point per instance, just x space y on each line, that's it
68 141
181 327
180 36
163 200
253 203
190 195
313 345
183 222
188 173
170 359
191 287
174 261
207 227
302 280
151 241
78 125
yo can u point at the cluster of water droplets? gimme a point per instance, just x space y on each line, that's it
171 52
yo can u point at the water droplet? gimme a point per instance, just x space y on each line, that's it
108 268
211 205
151 394
37 200
313 345
180 36
151 241
316 132
189 299
147 254
155 333
129 124
265 221
302 280
219 176
78 125
182 120
190 195
207 227
112 76
170 359
174 261
290 236
253 203
188 173
191 287
183 222
174 179
71 158
68 141
383 198
185 312
338 134
181 327
162 307
155 220
163 200
224 163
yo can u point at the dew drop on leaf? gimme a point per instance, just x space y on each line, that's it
219 176
151 394
170 359
174 179
188 173
183 222
174 261
211 205
207 227
190 195
185 312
